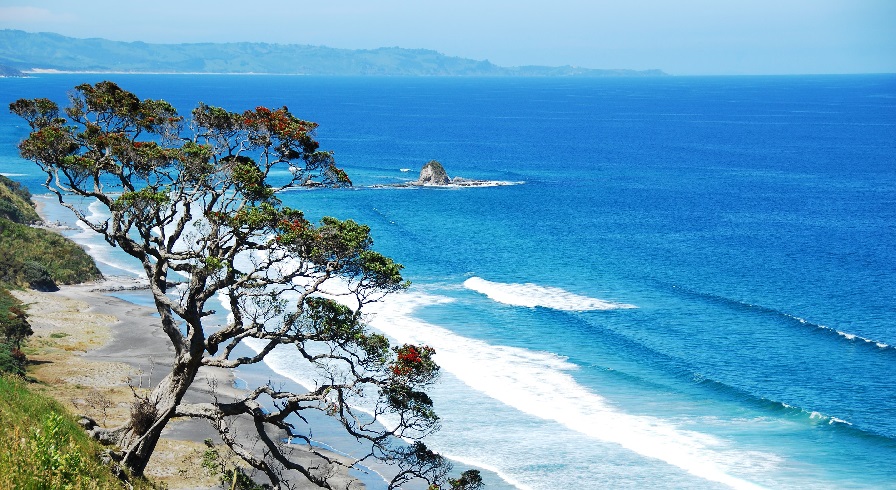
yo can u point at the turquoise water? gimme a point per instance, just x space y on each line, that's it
690 282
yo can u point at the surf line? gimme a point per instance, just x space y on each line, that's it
537 384
532 295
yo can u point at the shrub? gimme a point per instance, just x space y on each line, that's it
12 361
43 257
38 277
43 447
15 202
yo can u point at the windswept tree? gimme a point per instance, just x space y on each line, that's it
194 201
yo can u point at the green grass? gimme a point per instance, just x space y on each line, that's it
29 255
34 257
15 202
43 447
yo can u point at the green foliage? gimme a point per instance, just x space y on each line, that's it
196 199
14 324
15 329
380 270
16 188
146 200
249 179
194 160
55 144
41 111
39 258
326 320
54 452
469 480
44 449
12 360
37 276
15 202
406 399
34 257
7 302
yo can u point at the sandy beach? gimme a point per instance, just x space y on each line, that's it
90 349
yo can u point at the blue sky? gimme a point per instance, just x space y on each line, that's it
682 37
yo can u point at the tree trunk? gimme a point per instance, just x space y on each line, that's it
149 416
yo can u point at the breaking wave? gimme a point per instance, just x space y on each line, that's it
792 319
540 384
532 296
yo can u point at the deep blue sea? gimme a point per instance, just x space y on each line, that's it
689 283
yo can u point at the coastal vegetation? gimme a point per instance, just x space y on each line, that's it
35 257
30 257
44 447
29 51
194 202
14 328
41 259
15 202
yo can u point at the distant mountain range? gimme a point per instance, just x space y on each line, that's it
24 51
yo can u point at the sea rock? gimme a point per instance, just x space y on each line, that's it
433 173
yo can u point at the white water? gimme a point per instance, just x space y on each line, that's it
539 384
533 295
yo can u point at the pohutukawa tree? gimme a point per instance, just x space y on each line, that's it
194 201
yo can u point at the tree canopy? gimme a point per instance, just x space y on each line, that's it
195 201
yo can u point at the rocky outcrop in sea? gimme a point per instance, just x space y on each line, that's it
433 174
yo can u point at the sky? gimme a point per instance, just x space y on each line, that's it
680 37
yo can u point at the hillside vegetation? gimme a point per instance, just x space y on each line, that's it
15 202
44 448
28 51
34 257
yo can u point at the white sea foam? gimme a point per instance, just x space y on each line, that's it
533 295
535 383
539 384
846 335
852 336
98 248
452 185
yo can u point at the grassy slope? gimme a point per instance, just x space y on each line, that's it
15 202
43 447
25 250
66 262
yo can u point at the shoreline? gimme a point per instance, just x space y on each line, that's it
91 350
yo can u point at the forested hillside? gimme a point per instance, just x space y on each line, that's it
30 51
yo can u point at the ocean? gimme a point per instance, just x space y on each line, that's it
686 282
